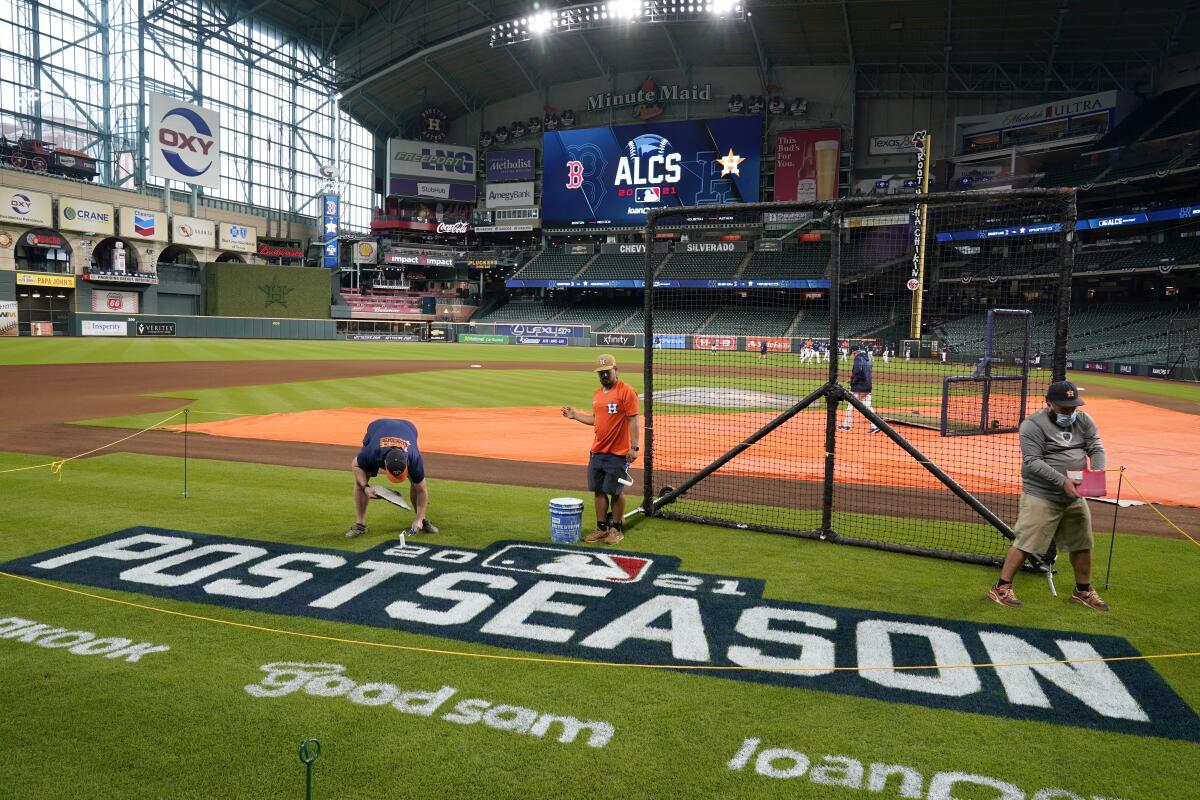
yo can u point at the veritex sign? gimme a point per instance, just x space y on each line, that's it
629 607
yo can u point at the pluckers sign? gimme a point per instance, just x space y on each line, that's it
185 142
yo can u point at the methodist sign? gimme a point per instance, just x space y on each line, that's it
184 142
625 607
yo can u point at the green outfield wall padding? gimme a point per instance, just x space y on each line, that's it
256 290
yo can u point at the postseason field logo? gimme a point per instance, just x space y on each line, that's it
616 606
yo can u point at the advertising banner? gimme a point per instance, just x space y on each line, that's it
892 145
237 238
25 208
563 331
85 216
185 142
616 340
806 164
94 327
8 318
156 329
483 338
435 190
670 341
614 176
579 249
1162 371
49 280
193 231
330 214
714 343
366 252
769 246
635 248
115 302
426 160
712 247
503 166
775 344
555 340
142 225
510 195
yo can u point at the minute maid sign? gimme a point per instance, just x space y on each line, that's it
634 608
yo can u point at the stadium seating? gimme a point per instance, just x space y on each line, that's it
743 320
553 264
617 266
667 319
1166 254
601 315
700 266
521 311
880 247
805 262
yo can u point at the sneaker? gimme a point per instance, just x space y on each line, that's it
429 527
357 529
597 534
1005 596
615 535
843 427
1089 599
873 430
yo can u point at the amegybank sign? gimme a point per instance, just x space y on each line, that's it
507 195
630 607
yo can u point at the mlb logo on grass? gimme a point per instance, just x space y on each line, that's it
570 563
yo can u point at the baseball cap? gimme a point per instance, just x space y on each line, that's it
1064 393
395 464
605 362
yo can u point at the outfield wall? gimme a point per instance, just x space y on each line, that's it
159 326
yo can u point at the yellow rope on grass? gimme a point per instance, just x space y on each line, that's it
570 661
56 467
1154 508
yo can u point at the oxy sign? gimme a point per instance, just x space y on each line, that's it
184 142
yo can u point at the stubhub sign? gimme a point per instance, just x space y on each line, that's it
627 607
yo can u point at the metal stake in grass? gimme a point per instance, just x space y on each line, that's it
309 754
185 444
1113 538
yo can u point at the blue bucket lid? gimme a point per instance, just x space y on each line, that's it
566 504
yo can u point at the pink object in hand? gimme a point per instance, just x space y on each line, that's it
1089 482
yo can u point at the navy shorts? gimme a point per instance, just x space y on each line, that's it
603 471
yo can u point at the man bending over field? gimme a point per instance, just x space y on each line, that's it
389 445
614 447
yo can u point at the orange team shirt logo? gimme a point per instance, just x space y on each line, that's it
394 441
612 410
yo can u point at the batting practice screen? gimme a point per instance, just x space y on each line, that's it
880 411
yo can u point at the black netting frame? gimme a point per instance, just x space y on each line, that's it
663 488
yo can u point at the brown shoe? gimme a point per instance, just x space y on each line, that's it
357 529
1004 595
1089 599
615 535
596 535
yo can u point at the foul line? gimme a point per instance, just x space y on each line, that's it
56 467
1154 508
569 661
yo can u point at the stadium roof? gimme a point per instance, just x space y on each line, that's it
393 58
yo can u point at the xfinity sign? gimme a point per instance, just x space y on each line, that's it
184 142
625 607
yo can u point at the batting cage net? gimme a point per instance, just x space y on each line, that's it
1183 348
861 376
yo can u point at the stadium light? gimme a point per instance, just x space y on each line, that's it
722 7
625 9
540 23
599 15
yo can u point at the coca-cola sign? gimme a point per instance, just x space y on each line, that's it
454 227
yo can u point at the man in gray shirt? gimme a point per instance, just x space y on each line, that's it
1055 440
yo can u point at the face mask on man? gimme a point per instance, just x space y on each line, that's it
1065 420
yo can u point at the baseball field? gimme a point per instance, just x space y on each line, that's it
175 627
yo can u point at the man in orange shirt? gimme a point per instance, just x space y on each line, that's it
614 447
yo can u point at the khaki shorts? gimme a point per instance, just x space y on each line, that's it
1040 522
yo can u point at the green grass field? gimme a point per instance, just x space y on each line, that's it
181 723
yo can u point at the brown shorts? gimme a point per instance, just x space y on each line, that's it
1040 522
